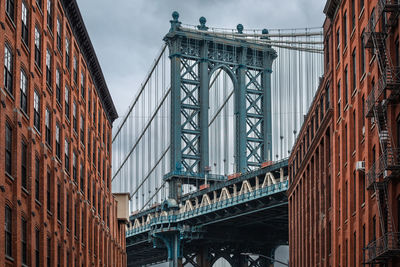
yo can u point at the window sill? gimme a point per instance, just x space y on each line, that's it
38 69
11 22
38 203
26 48
9 258
26 117
352 33
363 77
363 205
345 50
361 13
346 107
354 92
353 154
49 213
354 213
25 191
339 120
9 176
372 59
37 131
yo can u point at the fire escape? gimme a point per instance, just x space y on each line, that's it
385 92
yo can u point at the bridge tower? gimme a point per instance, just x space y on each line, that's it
195 55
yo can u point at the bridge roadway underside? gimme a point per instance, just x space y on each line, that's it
255 227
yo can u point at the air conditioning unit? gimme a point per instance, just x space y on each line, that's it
360 165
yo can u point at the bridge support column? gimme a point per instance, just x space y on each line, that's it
202 258
173 243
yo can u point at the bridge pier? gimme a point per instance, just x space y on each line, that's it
202 258
173 243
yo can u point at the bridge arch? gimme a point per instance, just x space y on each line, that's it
222 261
221 120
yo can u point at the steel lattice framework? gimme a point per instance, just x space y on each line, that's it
195 56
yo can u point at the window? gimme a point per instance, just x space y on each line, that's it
49 16
74 170
89 101
76 220
82 130
89 148
38 45
339 100
67 112
346 195
362 187
8 155
59 202
363 112
345 29
24 173
8 230
397 52
10 7
37 177
67 53
373 229
398 212
59 30
346 94
48 68
23 92
39 3
8 69
99 122
74 120
75 70
82 177
398 131
354 70
354 192
98 159
48 191
36 110
94 195
25 21
362 53
58 144
66 148
338 46
68 217
48 127
58 86
345 142
83 84
353 14
37 246
88 186
48 251
58 255
24 247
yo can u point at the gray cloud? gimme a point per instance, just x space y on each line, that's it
128 33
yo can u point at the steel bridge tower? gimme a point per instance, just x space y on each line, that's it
195 56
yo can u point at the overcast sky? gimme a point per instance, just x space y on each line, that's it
127 34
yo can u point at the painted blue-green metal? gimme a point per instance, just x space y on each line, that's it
194 54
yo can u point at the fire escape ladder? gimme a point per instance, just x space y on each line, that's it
388 164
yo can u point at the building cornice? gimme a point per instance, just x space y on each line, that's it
331 8
80 32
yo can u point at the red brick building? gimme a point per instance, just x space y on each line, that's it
360 181
56 116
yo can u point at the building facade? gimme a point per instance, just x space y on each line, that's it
362 221
56 117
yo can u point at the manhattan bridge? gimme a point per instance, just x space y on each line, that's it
202 150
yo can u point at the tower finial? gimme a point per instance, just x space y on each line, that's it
175 23
202 25
239 28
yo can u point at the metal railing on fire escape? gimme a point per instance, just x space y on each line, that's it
381 23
